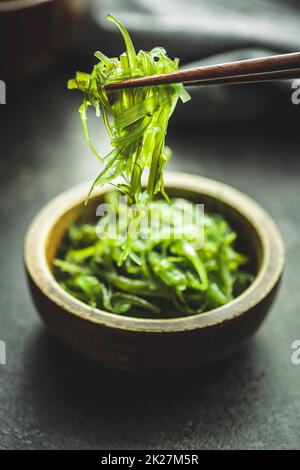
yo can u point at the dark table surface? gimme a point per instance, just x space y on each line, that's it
49 398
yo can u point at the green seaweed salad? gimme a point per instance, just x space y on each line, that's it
166 268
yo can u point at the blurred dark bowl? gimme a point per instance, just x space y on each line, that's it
34 32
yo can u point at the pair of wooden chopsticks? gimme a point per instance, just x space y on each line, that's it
278 67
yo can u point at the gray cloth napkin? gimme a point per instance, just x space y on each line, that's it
208 32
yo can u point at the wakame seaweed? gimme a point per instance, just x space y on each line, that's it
136 119
148 274
161 276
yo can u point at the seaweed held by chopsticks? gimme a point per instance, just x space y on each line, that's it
162 276
136 120
159 271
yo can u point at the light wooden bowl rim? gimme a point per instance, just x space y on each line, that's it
268 276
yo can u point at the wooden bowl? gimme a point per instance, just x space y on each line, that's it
128 343
34 32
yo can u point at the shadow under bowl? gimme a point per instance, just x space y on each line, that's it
128 343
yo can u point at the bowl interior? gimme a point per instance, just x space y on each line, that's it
249 241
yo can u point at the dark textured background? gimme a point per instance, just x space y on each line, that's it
49 398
